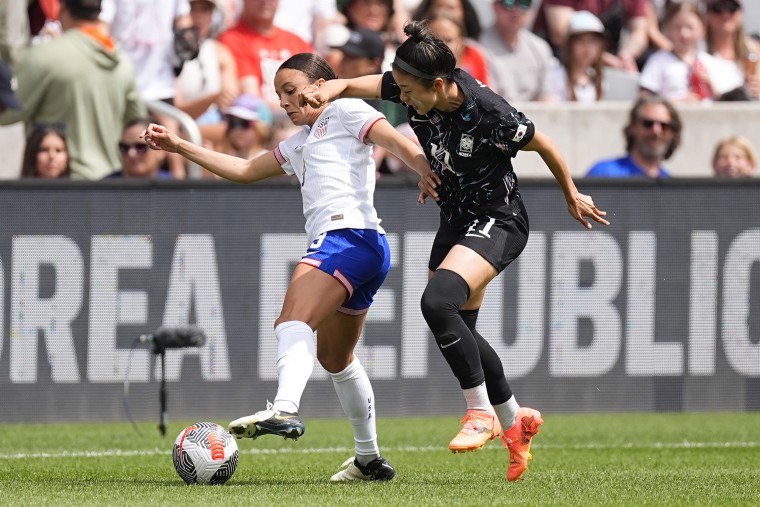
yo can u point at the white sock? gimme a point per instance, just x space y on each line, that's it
295 361
358 401
477 398
507 412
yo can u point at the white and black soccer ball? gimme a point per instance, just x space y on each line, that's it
205 453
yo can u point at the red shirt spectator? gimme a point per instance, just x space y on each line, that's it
259 48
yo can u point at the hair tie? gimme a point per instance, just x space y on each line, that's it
401 64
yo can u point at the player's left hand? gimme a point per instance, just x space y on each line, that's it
583 206
427 185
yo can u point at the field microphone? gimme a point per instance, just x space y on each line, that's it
175 338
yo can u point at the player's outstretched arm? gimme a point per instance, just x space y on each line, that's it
383 134
228 167
579 205
364 87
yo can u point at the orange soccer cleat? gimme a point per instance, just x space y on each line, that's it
517 440
478 427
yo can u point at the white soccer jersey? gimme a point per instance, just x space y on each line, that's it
333 162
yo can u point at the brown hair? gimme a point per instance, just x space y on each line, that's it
635 114
40 132
569 68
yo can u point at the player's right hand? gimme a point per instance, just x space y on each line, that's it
158 137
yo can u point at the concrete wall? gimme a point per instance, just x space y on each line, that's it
584 134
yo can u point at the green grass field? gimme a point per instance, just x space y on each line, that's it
589 459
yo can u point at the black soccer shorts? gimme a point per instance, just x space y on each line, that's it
499 240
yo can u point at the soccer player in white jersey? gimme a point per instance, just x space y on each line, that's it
330 292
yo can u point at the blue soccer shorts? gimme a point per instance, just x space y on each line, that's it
358 258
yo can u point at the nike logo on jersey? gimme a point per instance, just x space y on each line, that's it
418 119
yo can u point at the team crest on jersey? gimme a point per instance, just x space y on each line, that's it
321 129
466 144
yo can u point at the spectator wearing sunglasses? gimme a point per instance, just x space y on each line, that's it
80 79
728 41
137 161
46 155
249 124
652 135
687 73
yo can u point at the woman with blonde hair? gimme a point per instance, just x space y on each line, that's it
734 157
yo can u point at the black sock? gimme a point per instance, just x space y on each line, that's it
496 382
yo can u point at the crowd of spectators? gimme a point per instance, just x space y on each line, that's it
87 71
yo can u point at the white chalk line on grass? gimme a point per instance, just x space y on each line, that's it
108 453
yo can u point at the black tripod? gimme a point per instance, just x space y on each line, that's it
159 349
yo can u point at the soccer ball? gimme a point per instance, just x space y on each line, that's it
205 453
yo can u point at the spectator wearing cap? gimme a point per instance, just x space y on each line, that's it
8 98
620 17
728 41
249 123
362 54
137 160
522 62
79 80
652 135
579 76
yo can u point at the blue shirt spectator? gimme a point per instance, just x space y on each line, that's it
652 135
622 167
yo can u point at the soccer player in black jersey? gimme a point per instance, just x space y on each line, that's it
469 135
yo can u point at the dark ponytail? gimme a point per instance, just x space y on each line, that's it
423 55
314 66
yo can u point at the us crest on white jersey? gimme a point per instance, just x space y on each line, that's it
321 129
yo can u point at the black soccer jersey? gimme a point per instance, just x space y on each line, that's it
471 149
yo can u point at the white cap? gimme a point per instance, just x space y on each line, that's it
336 35
585 22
